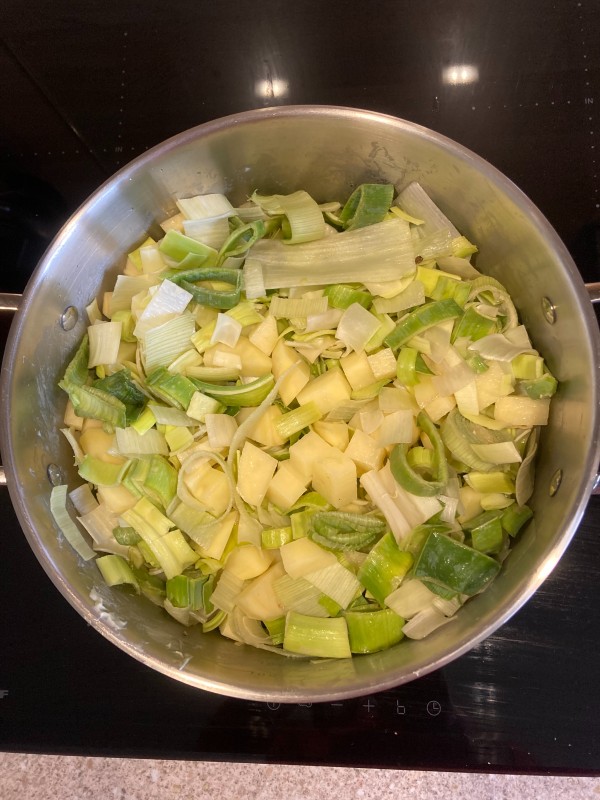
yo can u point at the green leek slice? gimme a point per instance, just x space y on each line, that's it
421 319
408 477
215 298
368 204
317 637
371 631
455 566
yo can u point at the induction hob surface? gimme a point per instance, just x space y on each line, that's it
518 83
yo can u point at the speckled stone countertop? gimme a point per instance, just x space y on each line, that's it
32 777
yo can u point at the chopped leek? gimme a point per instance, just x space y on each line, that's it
303 425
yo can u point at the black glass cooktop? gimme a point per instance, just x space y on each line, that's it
84 89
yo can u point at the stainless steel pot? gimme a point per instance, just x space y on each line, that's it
327 151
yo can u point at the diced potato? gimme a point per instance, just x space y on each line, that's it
254 362
327 390
335 479
358 371
425 391
308 450
492 384
337 434
383 364
286 486
265 335
89 423
264 432
210 487
248 561
470 500
71 419
255 471
303 556
440 406
220 537
258 599
522 411
118 498
365 452
396 399
283 358
96 442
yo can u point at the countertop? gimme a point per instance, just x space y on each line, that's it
33 777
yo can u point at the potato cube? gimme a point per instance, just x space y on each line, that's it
283 358
335 479
365 452
255 471
308 450
358 371
265 335
327 390
337 434
286 486
264 431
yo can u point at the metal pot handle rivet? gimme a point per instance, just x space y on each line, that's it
549 310
68 319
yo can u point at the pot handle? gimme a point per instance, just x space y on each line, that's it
10 303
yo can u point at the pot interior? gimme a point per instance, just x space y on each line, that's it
328 152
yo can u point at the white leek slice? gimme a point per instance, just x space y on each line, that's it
373 485
227 331
410 598
396 428
105 339
164 343
519 336
413 295
58 509
336 582
453 377
93 312
152 260
357 326
131 443
83 499
211 231
220 429
424 623
165 415
283 307
497 347
304 216
167 301
205 206
127 287
100 523
326 321
72 440
458 266
498 453
436 228
226 591
297 594
383 251
525 476
254 279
